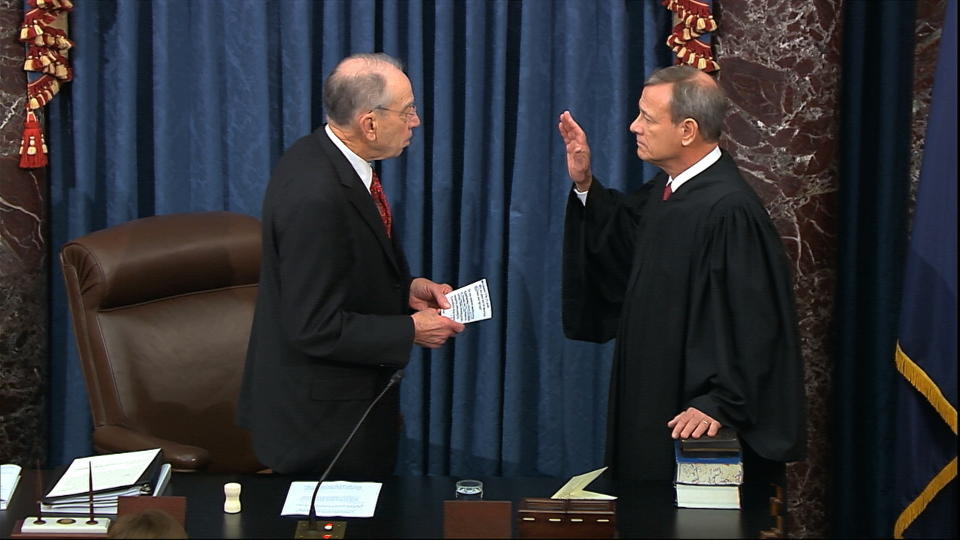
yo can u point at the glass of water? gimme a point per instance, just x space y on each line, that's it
469 490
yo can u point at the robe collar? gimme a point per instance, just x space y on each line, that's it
706 161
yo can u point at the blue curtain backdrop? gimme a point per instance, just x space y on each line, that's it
185 105
874 173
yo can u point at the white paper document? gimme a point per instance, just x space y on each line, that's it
573 489
109 471
470 303
9 477
334 499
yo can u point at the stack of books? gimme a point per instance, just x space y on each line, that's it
709 471
108 477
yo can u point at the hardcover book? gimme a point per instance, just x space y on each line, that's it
708 470
696 496
708 478
724 442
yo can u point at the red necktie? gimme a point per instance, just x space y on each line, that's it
376 191
667 191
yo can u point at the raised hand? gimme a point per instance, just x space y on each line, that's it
578 151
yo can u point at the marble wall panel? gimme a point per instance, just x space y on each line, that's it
23 266
780 65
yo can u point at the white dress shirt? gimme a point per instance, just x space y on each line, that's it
706 161
363 167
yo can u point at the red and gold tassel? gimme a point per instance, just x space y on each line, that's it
33 147
692 19
52 5
52 38
34 23
41 91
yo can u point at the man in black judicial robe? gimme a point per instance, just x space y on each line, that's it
693 282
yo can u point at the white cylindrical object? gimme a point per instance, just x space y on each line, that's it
231 501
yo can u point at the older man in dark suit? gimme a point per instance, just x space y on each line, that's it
337 312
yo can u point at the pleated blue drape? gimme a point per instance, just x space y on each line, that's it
874 168
182 105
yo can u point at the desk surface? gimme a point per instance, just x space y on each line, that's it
412 507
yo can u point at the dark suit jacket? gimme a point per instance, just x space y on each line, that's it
332 322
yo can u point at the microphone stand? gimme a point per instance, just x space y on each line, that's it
308 528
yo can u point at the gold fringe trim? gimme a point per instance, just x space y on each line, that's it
925 385
915 508
919 379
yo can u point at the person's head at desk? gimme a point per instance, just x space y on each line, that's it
150 523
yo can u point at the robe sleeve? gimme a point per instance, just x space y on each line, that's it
598 244
743 359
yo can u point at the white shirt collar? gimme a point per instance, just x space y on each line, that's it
362 166
712 157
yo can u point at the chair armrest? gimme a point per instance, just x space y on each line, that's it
114 438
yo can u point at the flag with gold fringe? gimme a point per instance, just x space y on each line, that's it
926 353
690 39
44 34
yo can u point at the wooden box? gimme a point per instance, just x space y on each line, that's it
567 518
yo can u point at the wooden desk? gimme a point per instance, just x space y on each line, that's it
412 507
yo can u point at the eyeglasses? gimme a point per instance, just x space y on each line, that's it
407 114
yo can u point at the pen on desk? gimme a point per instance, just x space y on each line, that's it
39 520
90 521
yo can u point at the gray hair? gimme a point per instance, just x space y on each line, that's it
693 98
347 94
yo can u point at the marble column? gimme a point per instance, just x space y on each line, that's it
23 265
929 26
781 65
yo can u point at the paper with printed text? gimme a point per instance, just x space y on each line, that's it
334 499
469 304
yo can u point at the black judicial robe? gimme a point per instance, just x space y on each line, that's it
698 293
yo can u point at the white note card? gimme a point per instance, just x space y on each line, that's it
334 499
469 304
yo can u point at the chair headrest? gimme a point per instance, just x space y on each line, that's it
162 256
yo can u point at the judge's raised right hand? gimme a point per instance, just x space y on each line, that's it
578 151
431 330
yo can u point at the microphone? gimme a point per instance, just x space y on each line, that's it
308 529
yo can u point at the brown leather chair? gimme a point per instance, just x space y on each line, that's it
161 309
